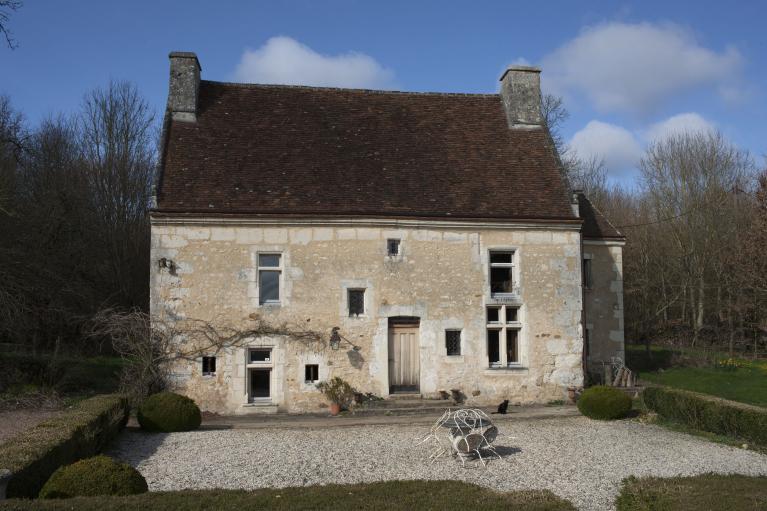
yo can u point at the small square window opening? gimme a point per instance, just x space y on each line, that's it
356 302
311 373
453 342
208 366
392 247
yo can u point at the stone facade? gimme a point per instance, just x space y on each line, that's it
603 303
440 276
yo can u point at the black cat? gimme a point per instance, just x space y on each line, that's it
503 407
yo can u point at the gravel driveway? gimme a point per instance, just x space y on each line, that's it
579 459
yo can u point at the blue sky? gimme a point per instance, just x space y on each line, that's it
629 72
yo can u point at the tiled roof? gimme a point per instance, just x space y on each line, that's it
595 224
266 149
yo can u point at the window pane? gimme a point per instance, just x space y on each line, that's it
587 273
453 342
356 302
494 347
512 354
500 257
493 315
269 260
511 314
208 365
501 280
260 355
268 286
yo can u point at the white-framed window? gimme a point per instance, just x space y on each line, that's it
208 366
453 343
356 302
393 247
311 373
503 336
259 364
269 278
587 275
501 272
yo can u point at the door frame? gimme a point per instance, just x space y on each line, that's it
406 322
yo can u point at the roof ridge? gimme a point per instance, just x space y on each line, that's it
349 89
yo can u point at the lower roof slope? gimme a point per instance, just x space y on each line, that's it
286 150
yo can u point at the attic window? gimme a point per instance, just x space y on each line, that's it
392 247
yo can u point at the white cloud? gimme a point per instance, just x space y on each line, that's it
636 67
617 146
284 60
690 122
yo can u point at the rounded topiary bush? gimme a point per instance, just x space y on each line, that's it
168 412
604 403
100 475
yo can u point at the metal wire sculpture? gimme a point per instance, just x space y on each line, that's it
463 433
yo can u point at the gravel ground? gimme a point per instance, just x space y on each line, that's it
579 459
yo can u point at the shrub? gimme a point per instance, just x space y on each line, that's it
100 475
708 413
80 432
604 403
169 412
337 390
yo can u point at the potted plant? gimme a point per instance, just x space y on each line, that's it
338 392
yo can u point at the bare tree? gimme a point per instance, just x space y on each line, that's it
6 8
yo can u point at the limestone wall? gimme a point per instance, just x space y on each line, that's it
440 277
604 303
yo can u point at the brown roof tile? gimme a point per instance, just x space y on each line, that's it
264 149
595 224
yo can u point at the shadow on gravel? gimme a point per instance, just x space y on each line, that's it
505 452
134 445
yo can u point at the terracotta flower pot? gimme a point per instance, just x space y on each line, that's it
335 408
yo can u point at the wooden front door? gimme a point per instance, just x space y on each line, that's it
404 359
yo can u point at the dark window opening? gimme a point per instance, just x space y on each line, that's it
512 356
587 273
501 280
259 355
494 347
269 286
356 302
208 366
260 383
511 315
501 257
453 342
392 247
311 373
269 260
493 315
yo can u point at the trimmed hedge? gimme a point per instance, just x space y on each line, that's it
708 413
168 412
99 475
80 432
604 403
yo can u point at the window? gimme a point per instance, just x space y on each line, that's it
259 355
356 302
208 366
392 247
311 373
501 273
587 271
453 342
503 336
269 270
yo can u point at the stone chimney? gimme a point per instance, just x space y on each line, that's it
521 96
184 86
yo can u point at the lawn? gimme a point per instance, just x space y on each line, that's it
391 495
710 492
747 384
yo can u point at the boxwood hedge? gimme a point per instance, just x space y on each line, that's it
80 432
708 413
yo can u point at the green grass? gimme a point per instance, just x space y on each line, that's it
391 495
706 492
748 384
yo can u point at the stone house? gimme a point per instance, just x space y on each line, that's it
429 235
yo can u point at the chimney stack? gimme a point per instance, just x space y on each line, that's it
184 86
521 96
